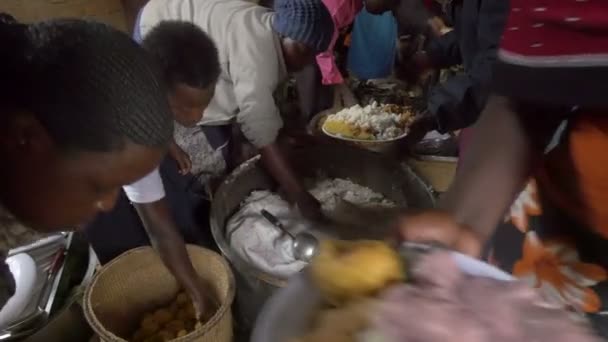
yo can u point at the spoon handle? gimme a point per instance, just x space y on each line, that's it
275 222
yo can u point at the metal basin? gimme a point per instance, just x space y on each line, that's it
395 181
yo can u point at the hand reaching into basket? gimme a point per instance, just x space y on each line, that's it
201 299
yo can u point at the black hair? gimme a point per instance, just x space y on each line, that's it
88 84
185 52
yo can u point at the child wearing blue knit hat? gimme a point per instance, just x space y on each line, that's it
304 21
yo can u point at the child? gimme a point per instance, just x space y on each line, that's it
164 200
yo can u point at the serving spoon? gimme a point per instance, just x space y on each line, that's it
304 244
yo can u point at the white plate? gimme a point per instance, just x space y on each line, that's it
24 270
287 314
339 137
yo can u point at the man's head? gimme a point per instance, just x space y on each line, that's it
83 111
381 6
190 64
306 29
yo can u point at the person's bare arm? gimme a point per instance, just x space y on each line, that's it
507 142
170 245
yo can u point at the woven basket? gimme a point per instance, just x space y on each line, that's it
137 282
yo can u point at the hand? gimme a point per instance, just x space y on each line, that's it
412 70
182 158
201 301
424 123
436 226
343 97
309 207
294 140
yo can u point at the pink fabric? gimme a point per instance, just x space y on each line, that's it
343 13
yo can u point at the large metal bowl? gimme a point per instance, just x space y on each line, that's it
395 181
288 314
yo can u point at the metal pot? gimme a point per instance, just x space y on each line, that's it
396 181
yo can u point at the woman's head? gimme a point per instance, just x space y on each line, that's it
190 64
306 29
83 111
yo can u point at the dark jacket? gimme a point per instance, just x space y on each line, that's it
478 26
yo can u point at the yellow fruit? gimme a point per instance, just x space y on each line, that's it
344 270
341 128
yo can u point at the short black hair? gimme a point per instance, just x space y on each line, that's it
90 85
185 52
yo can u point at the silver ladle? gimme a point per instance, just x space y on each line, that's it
304 244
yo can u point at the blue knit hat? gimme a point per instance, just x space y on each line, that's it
305 21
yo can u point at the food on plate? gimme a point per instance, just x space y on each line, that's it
442 303
372 122
344 270
174 320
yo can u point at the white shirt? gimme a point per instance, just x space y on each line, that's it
250 56
148 189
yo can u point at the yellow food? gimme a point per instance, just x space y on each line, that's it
177 319
344 270
182 299
166 335
175 326
341 128
163 316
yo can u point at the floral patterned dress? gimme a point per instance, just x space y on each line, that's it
556 233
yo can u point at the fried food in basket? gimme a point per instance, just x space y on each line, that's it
345 270
176 319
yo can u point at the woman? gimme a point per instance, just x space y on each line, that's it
551 66
257 48
70 138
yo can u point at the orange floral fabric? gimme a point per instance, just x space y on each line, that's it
575 176
527 204
554 267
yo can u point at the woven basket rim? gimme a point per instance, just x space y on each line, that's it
105 334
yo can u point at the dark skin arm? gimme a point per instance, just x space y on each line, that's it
509 139
170 245
276 164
